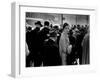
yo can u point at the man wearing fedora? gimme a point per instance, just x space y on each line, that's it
34 56
43 35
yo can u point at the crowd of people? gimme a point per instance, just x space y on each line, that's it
51 45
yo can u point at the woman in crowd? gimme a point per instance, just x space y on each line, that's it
64 44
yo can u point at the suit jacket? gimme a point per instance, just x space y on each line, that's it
31 39
42 36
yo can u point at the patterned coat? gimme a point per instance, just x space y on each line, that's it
63 46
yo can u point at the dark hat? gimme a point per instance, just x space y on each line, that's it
46 23
56 27
39 23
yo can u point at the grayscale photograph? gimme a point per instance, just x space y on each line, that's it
54 39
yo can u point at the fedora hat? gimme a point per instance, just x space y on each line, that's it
39 23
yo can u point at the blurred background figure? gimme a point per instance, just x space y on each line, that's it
28 46
71 57
86 50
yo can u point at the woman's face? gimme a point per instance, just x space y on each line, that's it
67 28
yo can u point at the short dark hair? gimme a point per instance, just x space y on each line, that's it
46 23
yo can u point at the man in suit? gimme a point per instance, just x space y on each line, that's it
43 35
32 40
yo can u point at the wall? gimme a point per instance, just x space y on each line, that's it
71 19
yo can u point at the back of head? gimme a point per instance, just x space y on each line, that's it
56 27
46 23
